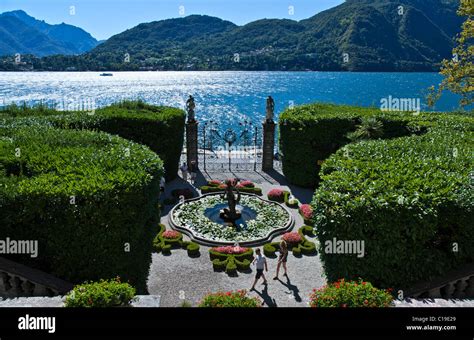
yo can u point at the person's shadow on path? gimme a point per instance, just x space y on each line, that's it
267 299
294 289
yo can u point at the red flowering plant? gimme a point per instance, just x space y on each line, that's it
230 249
214 183
247 184
238 298
350 294
276 195
306 211
171 234
292 238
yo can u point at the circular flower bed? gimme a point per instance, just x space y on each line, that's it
270 218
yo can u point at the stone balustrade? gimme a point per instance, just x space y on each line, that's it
19 280
457 284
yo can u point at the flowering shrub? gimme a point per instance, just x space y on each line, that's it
292 237
350 294
171 234
276 195
230 249
214 183
247 184
230 299
100 294
306 211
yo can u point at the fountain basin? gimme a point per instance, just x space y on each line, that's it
261 220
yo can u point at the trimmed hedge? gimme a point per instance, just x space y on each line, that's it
230 263
91 209
111 293
158 127
305 247
309 134
214 186
164 245
409 198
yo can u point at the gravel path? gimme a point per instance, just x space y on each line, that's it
177 277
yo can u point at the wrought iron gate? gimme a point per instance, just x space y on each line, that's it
237 148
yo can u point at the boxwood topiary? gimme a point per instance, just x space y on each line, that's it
89 203
410 199
158 127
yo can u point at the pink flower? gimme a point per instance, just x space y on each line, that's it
247 184
292 237
171 234
307 211
275 194
214 182
230 249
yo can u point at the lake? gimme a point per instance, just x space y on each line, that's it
226 97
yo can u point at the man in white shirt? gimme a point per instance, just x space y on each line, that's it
261 263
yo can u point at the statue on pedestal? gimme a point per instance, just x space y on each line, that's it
231 213
190 106
270 109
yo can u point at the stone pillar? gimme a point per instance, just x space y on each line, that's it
192 142
268 145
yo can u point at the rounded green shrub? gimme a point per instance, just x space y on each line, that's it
230 299
193 249
89 198
111 293
269 249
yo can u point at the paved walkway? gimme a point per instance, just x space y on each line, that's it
177 277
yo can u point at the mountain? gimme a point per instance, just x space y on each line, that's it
374 34
358 35
21 33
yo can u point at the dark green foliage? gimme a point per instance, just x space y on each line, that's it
83 200
231 262
165 245
160 128
370 128
111 293
409 198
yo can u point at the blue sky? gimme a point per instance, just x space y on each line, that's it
104 18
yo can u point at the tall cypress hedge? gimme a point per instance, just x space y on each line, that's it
86 197
408 196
